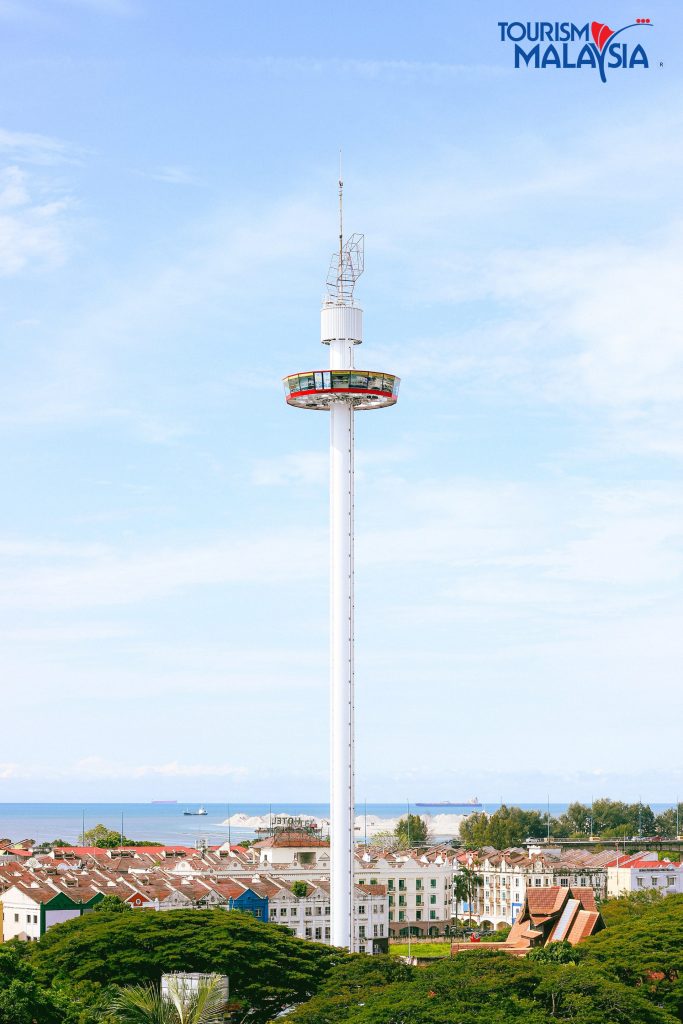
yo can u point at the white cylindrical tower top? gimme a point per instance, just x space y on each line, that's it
341 323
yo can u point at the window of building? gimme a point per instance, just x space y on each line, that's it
537 881
361 931
401 901
432 882
327 911
375 931
318 933
401 883
390 884
327 933
401 915
418 901
16 919
639 882
381 908
391 900
318 911
671 881
418 883
418 915
283 911
294 911
361 909
381 930
308 911
432 899
564 882
361 949
391 915
373 881
653 879
432 915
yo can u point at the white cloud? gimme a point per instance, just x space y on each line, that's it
99 768
110 578
31 233
172 175
31 147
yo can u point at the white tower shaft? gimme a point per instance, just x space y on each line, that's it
342 808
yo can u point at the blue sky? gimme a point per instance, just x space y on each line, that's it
167 211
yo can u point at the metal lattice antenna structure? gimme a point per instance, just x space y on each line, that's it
342 390
347 264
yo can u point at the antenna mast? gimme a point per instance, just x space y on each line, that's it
341 231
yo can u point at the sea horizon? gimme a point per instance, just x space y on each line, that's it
166 822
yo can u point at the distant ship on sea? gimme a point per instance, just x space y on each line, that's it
474 802
201 810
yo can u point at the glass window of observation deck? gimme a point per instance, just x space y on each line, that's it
359 380
306 382
340 379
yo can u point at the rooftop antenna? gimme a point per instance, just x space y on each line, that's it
347 262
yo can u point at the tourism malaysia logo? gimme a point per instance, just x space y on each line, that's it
555 44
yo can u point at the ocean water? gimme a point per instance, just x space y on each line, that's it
167 823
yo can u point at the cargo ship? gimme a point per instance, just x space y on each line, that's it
474 802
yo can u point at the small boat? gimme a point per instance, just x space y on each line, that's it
201 810
474 802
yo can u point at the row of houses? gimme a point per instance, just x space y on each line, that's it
420 893
34 897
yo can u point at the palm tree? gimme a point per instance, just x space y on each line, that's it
472 880
146 1004
460 891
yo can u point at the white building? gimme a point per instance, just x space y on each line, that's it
505 877
307 915
644 871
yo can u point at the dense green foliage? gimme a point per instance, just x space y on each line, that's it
110 839
412 831
609 819
22 1000
629 974
268 968
476 987
110 904
508 826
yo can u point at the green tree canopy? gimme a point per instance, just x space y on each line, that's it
508 826
112 904
477 987
268 968
412 831
22 1000
608 818
668 822
110 839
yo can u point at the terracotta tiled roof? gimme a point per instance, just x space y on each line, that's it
290 839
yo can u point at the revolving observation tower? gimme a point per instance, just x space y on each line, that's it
341 391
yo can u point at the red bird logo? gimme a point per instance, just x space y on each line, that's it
601 33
